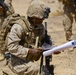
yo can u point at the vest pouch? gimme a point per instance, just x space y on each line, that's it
2 42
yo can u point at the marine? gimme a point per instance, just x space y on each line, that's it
6 9
69 17
25 39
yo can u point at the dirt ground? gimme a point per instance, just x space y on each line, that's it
65 62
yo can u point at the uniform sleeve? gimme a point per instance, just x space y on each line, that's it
13 39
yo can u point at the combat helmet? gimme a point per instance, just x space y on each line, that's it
38 10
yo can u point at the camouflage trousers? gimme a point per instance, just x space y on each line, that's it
23 67
67 23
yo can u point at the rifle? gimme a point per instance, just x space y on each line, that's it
48 52
46 69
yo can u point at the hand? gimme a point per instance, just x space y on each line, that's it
57 52
36 51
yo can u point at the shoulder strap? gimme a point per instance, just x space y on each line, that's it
16 19
26 23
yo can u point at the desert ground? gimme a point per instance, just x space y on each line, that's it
65 62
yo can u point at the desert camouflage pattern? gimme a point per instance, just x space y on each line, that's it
22 52
10 7
35 11
2 17
20 39
20 49
3 14
24 37
70 14
38 10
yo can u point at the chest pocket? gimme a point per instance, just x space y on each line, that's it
30 40
33 38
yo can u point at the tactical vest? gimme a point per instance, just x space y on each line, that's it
32 39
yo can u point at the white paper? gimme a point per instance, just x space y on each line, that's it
61 47
47 46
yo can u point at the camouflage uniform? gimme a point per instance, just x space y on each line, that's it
10 7
70 11
17 64
3 14
19 40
